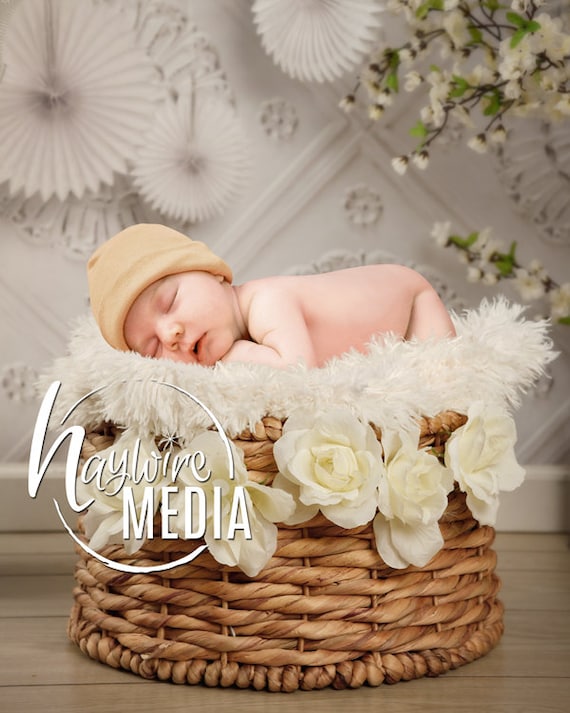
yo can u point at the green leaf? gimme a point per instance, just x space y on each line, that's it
517 37
515 19
461 85
494 103
425 7
394 61
420 130
392 82
504 262
564 320
533 26
476 36
492 5
464 243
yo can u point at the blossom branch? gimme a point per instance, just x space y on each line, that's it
522 68
489 261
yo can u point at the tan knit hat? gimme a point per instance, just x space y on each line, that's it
125 265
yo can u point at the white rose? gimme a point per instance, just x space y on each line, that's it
412 498
264 506
331 462
104 478
481 455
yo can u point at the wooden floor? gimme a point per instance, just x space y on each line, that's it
41 671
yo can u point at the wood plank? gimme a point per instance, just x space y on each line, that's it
550 560
50 657
35 542
443 695
546 591
34 596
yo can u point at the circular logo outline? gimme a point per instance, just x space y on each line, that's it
132 569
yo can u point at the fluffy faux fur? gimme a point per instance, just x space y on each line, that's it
496 356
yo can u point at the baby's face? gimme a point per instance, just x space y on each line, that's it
187 317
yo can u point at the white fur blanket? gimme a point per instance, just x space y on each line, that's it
496 356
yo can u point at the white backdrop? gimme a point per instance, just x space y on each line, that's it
305 158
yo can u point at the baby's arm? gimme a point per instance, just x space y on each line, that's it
278 331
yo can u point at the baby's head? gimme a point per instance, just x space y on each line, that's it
128 268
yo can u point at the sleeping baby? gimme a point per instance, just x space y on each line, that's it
159 293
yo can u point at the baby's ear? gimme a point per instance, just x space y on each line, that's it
221 278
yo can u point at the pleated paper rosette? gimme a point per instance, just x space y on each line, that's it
193 160
316 40
76 97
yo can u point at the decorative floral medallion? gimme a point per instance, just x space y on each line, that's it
18 382
363 205
279 119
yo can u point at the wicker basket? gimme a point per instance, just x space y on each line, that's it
325 611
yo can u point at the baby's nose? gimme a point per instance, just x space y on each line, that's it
171 334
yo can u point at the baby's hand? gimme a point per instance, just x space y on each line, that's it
250 352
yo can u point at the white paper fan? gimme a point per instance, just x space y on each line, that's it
76 96
193 160
316 39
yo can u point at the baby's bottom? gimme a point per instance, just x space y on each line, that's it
429 317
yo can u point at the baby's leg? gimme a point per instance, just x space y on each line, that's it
429 317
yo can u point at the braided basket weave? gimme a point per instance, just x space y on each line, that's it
325 611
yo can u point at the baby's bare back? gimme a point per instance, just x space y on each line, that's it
336 311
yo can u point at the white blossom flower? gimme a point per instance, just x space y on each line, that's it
550 38
481 75
332 463
426 114
560 301
478 143
529 286
406 56
102 481
400 164
474 274
512 89
421 159
385 98
375 111
441 232
450 4
483 238
265 505
413 80
456 25
490 248
489 278
498 135
347 103
412 497
535 267
481 455
462 115
563 105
